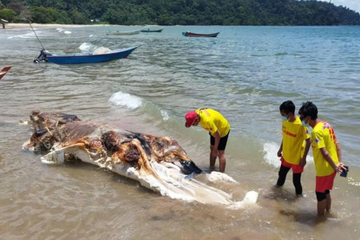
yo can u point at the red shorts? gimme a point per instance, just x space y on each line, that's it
294 167
325 182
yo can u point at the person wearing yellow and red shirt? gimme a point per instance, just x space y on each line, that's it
327 155
218 128
294 146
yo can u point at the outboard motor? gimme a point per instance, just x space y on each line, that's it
42 57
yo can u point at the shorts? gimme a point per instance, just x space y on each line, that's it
294 167
325 182
222 143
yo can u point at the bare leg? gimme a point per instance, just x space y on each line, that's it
212 159
321 207
222 161
328 202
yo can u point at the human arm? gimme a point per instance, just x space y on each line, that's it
217 137
328 158
280 150
339 154
338 150
306 151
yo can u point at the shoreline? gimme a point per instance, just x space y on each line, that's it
55 25
47 25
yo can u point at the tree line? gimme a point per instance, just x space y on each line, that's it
179 12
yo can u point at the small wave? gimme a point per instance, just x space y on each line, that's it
270 157
63 31
86 46
126 100
26 35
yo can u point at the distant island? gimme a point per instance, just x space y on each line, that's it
179 12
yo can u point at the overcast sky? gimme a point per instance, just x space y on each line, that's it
352 4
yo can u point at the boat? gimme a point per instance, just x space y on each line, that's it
191 34
2 22
77 58
151 30
4 70
123 32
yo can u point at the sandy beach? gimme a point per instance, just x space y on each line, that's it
38 25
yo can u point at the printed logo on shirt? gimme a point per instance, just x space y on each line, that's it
327 125
331 131
289 133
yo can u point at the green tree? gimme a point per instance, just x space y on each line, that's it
43 15
199 12
78 18
7 14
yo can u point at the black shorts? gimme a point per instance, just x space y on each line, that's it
222 143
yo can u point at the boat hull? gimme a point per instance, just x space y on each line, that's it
123 33
4 70
90 58
152 30
191 34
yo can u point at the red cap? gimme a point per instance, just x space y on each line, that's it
190 118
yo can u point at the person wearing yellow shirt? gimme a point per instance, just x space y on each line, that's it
294 146
218 128
327 155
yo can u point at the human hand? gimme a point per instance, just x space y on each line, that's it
339 167
303 162
279 154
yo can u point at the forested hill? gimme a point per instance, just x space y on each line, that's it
179 12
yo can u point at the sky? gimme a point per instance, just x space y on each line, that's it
352 4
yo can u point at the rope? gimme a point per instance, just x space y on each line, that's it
36 36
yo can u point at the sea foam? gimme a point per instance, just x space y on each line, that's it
126 100
271 148
86 46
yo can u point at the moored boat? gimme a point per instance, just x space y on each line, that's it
124 32
78 58
151 30
191 34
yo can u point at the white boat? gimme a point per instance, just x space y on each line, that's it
151 30
124 32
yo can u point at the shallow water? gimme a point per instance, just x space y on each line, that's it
245 73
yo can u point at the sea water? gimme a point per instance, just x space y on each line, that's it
245 73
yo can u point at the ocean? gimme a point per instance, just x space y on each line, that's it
245 73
